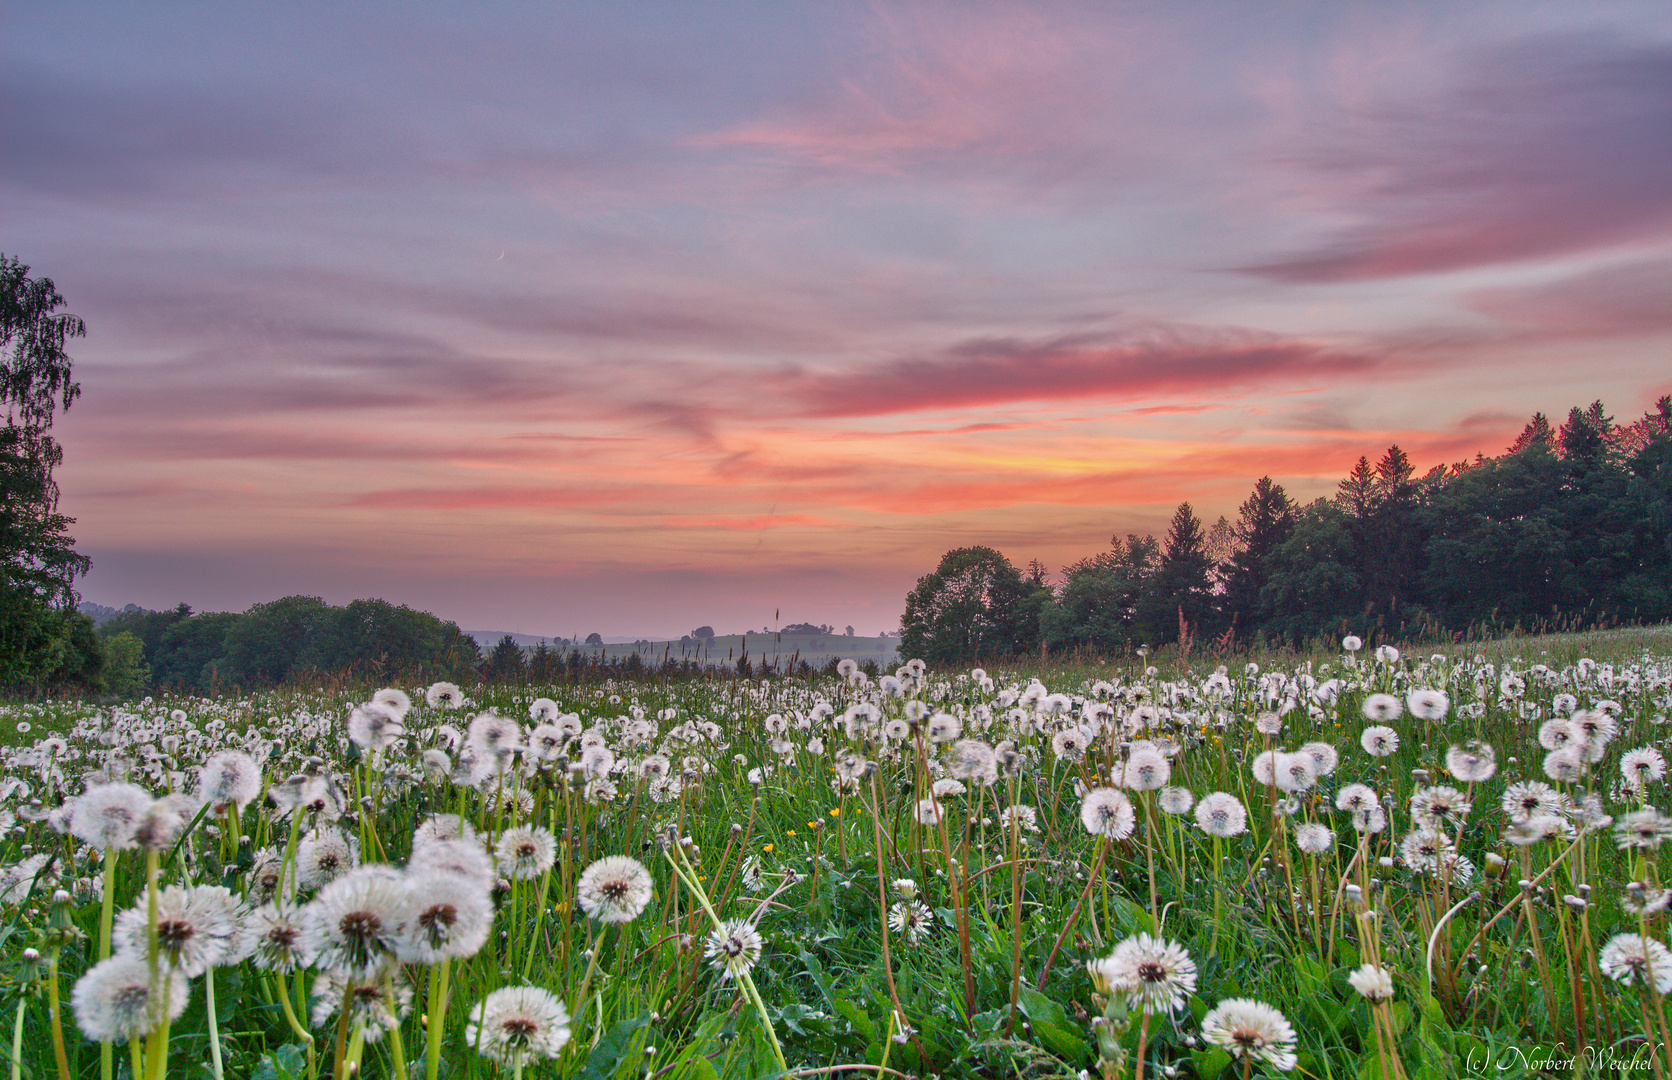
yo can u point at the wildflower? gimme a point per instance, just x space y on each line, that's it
493 737
1381 708
445 915
1555 733
1472 764
1324 757
1314 839
1379 741
1023 817
1433 807
525 852
1428 704
851 767
376 1004
1527 831
437 765
107 816
195 927
397 701
944 727
463 857
1565 765
373 726
1069 744
1352 643
229 778
1108 812
115 1001
1251 1030
1371 819
912 919
1355 797
615 889
928 811
1372 982
1176 800
323 856
1221 814
517 1025
353 925
973 760
1525 798
906 887
1642 766
1146 769
1268 723
734 948
1643 829
1594 726
276 931
1149 971
440 827
1632 958
444 695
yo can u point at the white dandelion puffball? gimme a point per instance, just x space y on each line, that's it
733 948
1381 708
446 915
525 852
1251 1030
1149 971
115 1001
615 889
1379 741
1108 812
1372 982
517 1025
1629 959
1221 814
1428 704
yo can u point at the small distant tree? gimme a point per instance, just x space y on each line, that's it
505 662
543 662
848 632
704 633
594 639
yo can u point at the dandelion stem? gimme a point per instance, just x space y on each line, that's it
107 917
17 1041
55 1017
213 1021
437 1017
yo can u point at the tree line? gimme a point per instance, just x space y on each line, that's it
293 639
1570 526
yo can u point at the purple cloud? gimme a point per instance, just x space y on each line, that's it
1553 146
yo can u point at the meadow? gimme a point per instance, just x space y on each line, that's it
1354 862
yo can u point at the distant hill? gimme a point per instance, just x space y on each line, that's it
778 649
101 614
487 639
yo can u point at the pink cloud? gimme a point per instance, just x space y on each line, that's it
1549 147
489 497
1615 301
992 372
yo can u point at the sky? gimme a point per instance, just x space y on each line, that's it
629 318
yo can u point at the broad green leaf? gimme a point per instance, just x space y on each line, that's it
605 1059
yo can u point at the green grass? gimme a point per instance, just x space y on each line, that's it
1252 929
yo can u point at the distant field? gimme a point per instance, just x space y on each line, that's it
779 650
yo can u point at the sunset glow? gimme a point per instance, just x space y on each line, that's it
562 319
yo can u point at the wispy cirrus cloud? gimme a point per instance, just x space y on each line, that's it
1178 361
1550 146
1622 300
